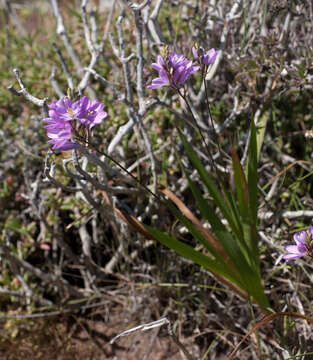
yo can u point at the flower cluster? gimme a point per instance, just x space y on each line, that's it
66 116
204 58
173 70
303 245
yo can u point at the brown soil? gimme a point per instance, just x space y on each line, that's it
74 338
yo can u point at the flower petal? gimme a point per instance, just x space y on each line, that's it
292 256
293 249
300 237
195 53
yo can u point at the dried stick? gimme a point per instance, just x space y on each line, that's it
55 84
137 163
107 26
140 87
134 114
61 31
65 68
154 26
13 16
116 93
46 278
152 325
49 171
232 15
24 92
121 54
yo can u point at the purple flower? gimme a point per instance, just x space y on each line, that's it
163 79
65 109
59 128
173 70
66 118
91 113
60 136
204 58
301 248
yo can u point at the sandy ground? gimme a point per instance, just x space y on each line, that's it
85 339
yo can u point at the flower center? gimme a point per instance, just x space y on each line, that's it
70 111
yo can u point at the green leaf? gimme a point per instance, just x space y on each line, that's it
190 253
235 253
196 233
255 145
253 173
253 285
219 200
247 217
241 188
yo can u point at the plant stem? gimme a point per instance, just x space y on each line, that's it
198 127
209 108
124 169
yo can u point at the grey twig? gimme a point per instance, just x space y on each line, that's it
140 87
13 16
61 31
121 132
75 307
93 25
49 170
152 325
154 26
86 27
94 48
24 92
106 168
124 59
137 7
64 66
110 85
108 23
286 214
120 52
46 278
55 84
135 116
136 163
232 15
232 116
86 177
22 295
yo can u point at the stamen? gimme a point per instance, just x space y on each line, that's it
70 111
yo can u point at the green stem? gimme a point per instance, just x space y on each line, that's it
198 127
124 169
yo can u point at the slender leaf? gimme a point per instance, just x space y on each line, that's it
254 287
247 218
235 253
209 183
249 272
190 253
197 234
234 211
253 188
241 188
253 173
